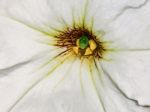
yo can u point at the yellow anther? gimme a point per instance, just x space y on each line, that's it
77 42
76 50
88 51
92 45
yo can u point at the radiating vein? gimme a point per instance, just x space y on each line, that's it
36 83
95 87
66 74
80 77
120 90
32 27
52 58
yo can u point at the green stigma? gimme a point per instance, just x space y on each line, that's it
83 42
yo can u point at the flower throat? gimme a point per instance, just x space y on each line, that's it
81 41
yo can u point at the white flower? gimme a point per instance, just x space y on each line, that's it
35 76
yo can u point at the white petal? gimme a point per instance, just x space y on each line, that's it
19 43
65 97
67 89
130 30
103 12
130 71
48 16
16 81
113 99
74 87
22 51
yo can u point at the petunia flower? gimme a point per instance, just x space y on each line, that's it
74 56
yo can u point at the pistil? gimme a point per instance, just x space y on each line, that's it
84 46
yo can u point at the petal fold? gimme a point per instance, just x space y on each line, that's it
130 71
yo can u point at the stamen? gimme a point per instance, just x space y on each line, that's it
76 50
77 42
92 45
88 51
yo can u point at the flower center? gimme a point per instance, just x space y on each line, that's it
81 41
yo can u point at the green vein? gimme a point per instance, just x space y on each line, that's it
73 18
80 78
98 70
52 59
95 87
100 79
85 13
66 74
36 83
34 28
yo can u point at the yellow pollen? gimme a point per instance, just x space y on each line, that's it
88 51
77 42
92 45
76 50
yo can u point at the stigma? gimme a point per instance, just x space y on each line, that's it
84 46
